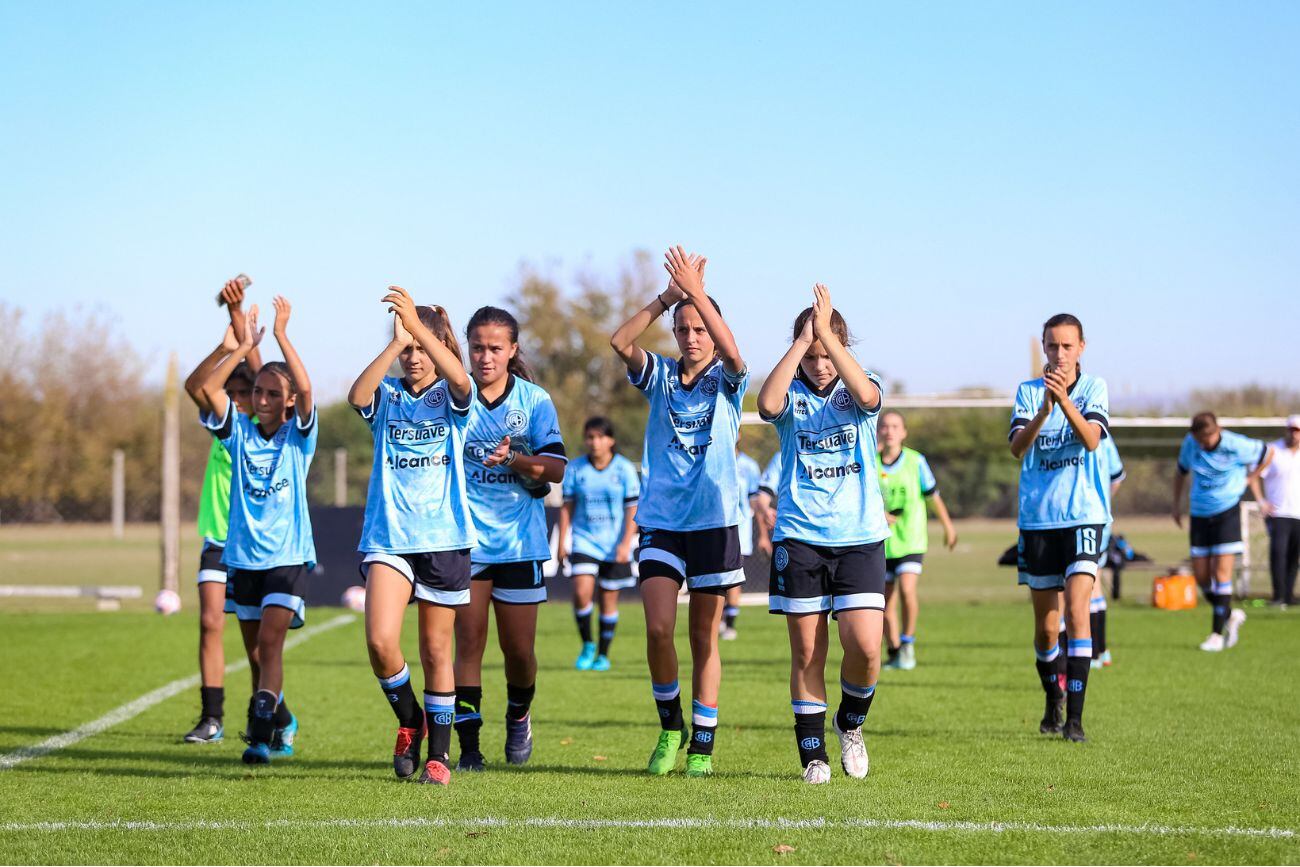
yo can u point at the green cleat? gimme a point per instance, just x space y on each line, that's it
699 765
664 758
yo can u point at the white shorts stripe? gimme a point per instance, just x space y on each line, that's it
390 560
212 576
1082 567
521 596
660 556
859 600
806 605
584 569
716 579
1218 550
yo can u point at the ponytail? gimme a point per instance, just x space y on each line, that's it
497 316
434 317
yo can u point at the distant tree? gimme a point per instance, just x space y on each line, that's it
1249 400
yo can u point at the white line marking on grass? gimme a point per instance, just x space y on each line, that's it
1145 830
146 701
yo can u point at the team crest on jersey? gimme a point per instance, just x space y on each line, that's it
435 398
283 433
516 421
709 386
841 400
781 558
394 398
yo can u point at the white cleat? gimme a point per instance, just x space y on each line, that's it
907 657
853 752
816 773
727 633
1213 644
1235 619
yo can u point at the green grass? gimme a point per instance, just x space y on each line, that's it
1178 739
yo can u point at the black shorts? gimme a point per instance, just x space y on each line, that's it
1047 557
1217 534
518 583
812 579
279 586
210 566
708 561
895 566
437 577
609 574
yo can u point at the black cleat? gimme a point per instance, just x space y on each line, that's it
1052 716
1073 732
470 762
207 731
406 752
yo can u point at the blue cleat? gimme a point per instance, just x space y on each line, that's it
519 740
601 663
257 754
587 658
282 739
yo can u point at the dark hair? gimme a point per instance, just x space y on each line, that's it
243 372
280 369
600 425
839 327
497 316
435 318
1063 319
686 302
1203 421
894 412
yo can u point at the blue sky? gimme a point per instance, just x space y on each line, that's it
954 172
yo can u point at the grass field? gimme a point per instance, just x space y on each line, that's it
1193 757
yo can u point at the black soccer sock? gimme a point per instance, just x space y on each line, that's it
469 717
810 731
608 623
1076 677
397 689
282 715
1222 608
1062 641
705 718
894 650
518 700
855 702
262 726
729 615
439 710
1098 622
668 701
1045 661
213 699
583 616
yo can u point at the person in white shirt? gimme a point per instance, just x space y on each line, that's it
1279 501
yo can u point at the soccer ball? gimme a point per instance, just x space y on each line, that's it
355 598
167 602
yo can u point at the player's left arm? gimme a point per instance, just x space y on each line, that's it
303 403
1090 429
1253 480
688 274
866 394
548 460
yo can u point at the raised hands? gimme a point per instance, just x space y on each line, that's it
685 272
232 294
821 316
282 311
253 335
230 341
401 337
401 303
1057 388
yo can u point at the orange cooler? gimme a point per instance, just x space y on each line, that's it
1174 592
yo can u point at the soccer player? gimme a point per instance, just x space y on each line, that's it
1279 503
601 489
689 510
748 478
1058 422
1218 462
418 532
828 546
906 482
214 518
513 453
269 551
765 502
1097 602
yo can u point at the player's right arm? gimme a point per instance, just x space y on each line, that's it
775 392
214 387
194 382
232 295
562 531
1025 429
362 393
623 341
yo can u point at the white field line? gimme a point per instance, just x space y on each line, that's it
146 701
1144 830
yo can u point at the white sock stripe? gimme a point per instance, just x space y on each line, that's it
1148 829
143 703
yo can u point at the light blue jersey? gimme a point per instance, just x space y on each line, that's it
416 502
1062 484
690 446
829 493
600 499
269 522
1219 475
509 517
749 477
770 481
1115 468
